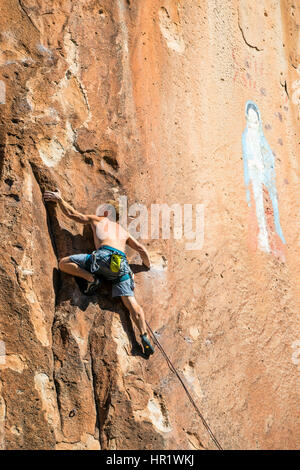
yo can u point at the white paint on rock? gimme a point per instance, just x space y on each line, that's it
46 391
14 362
37 316
126 83
72 53
153 413
2 352
194 332
2 92
28 187
192 379
74 67
122 344
51 152
82 341
171 31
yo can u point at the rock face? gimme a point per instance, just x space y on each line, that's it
147 99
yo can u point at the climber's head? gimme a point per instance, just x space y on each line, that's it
110 209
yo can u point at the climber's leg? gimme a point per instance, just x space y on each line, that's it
78 265
138 316
74 265
136 313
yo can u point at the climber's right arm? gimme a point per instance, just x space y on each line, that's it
135 245
67 209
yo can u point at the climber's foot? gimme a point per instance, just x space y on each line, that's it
148 348
92 286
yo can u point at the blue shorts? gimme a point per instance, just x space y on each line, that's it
98 263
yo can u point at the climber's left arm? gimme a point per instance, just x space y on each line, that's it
67 209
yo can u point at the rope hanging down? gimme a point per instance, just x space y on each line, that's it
214 439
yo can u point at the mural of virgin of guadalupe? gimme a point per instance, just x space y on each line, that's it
259 175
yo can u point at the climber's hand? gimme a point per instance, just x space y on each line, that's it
52 196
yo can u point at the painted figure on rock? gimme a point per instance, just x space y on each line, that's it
259 174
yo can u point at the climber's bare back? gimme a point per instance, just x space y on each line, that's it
107 232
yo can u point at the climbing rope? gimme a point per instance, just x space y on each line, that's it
205 424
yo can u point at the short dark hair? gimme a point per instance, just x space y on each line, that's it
252 106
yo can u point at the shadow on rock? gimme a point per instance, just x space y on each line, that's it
138 268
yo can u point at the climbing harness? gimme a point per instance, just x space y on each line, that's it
122 278
205 424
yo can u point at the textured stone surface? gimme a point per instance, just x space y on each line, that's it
146 99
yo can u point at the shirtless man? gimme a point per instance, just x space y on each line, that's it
108 260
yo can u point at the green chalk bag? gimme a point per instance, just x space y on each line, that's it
115 263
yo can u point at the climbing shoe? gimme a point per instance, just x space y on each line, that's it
92 286
148 348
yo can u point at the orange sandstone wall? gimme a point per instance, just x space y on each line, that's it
147 99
